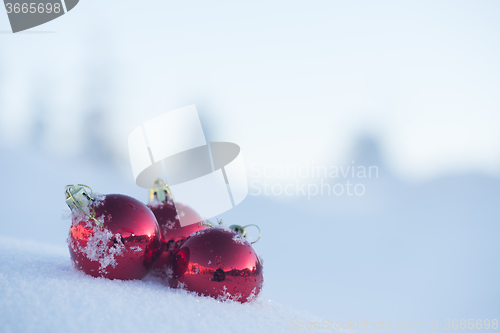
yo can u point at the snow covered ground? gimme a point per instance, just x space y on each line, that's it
400 253
40 292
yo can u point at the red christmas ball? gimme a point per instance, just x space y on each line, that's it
219 263
113 236
172 233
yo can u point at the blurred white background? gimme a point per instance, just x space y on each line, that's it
411 87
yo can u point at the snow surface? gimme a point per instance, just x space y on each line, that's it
402 252
41 292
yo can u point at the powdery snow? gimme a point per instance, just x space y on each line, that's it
41 292
97 248
136 248
168 226
238 239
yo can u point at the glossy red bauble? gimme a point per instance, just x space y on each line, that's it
126 246
219 263
172 233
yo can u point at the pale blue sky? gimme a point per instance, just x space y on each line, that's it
289 81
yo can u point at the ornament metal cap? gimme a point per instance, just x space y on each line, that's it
159 189
76 194
243 232
236 228
77 197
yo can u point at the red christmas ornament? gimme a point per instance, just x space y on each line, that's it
113 236
219 263
172 233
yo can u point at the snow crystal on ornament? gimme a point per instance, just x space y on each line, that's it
169 225
98 199
101 219
199 232
169 272
97 248
136 248
239 239
155 203
77 217
223 227
226 296
253 295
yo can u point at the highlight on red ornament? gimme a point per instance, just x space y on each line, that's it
113 236
219 263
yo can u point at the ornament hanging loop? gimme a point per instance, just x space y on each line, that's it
159 188
78 197
243 232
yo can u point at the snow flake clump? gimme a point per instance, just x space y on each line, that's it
226 296
136 248
239 239
253 295
197 233
98 199
169 225
97 248
155 203
169 272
